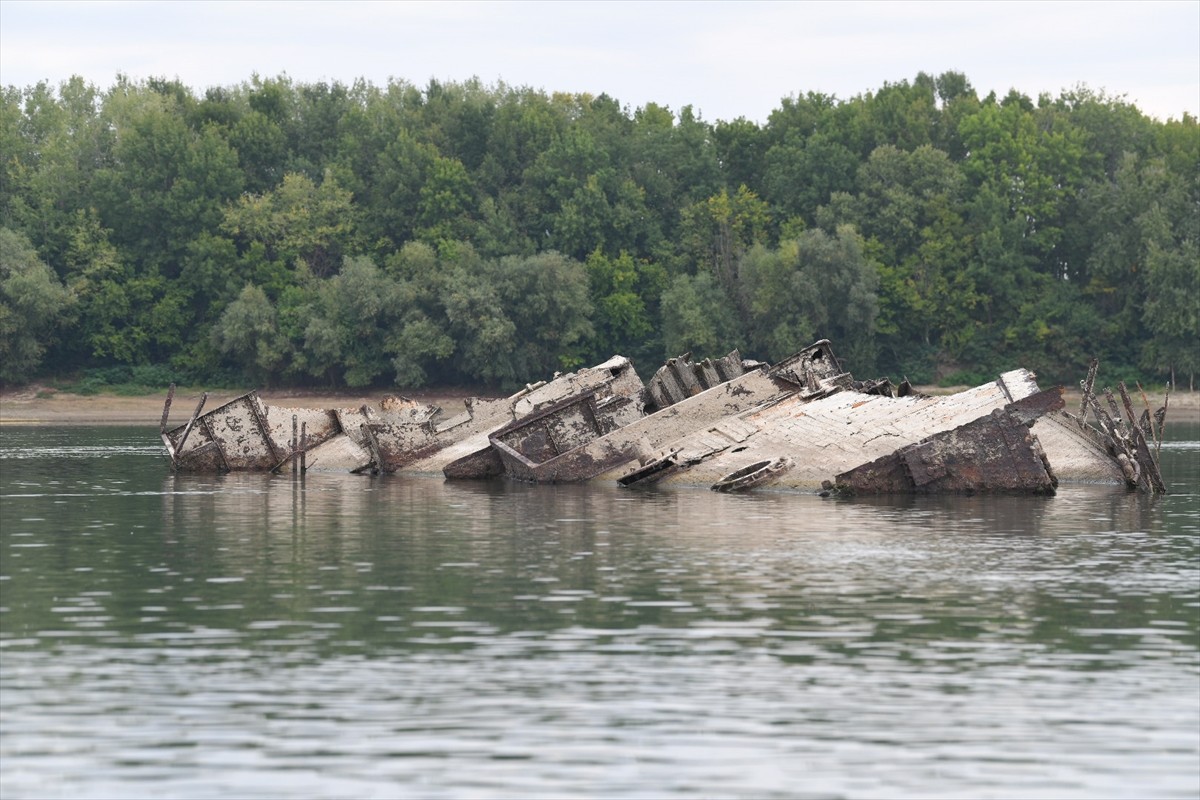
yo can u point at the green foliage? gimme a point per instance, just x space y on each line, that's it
33 307
697 318
124 380
298 221
462 233
624 294
346 330
1173 279
248 334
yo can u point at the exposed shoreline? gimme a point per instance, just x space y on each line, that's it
36 405
40 406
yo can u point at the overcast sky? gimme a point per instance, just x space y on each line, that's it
726 59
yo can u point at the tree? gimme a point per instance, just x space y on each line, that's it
907 208
447 203
1173 286
624 293
845 283
698 318
298 221
248 334
781 300
420 341
33 307
346 335
715 233
166 182
112 298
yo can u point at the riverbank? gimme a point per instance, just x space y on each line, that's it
37 405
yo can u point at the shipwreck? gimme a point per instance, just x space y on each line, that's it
730 424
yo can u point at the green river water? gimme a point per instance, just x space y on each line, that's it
257 636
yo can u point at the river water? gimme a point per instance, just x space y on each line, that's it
251 636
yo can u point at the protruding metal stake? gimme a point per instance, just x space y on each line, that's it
1088 387
162 426
191 422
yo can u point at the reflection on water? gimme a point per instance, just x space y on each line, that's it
263 636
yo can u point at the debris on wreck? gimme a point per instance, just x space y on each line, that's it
731 424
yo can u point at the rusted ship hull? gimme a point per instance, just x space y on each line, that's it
246 434
730 424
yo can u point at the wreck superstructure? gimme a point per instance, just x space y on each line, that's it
247 434
730 423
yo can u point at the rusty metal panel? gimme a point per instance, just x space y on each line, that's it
617 374
319 424
614 413
811 367
399 443
339 454
706 372
665 386
532 441
685 373
995 453
571 426
484 463
237 430
516 464
200 453
730 366
658 394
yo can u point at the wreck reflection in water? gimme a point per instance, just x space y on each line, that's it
260 635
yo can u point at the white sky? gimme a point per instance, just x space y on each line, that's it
726 59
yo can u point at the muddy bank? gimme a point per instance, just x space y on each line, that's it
37 405
40 406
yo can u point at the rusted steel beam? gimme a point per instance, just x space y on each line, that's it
1087 385
264 430
373 446
1148 422
1148 464
1116 413
162 426
191 423
215 444
1033 407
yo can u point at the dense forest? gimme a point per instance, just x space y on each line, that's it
280 233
